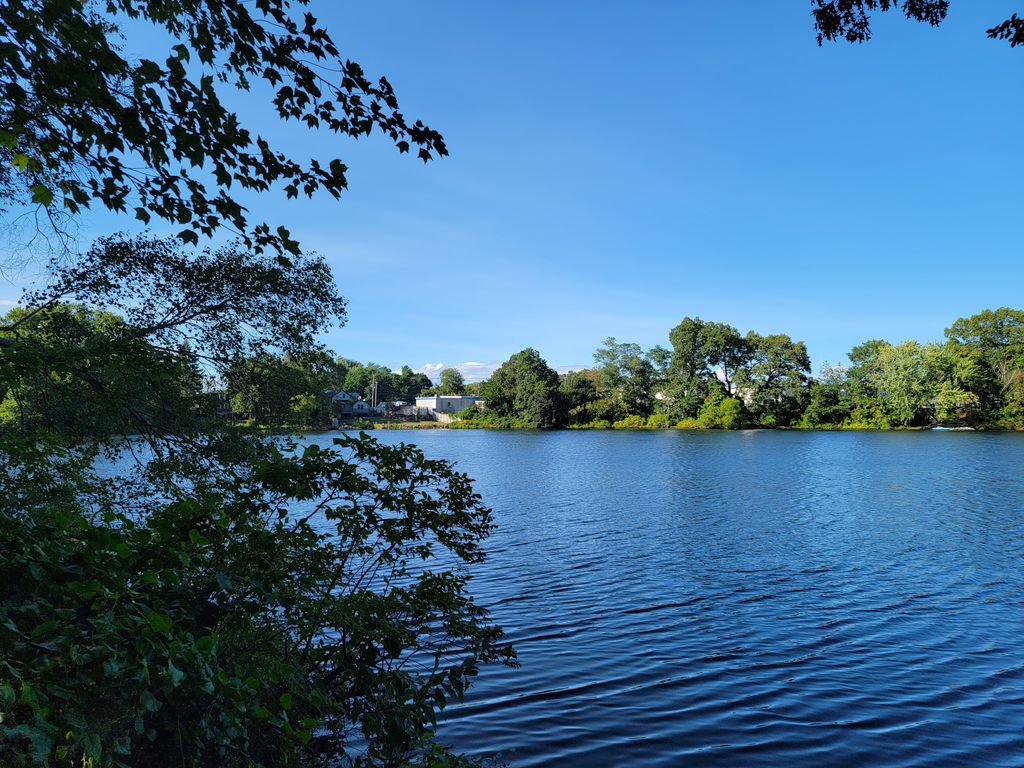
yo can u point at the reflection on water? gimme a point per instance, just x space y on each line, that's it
742 599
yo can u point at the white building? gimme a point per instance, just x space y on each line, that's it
448 404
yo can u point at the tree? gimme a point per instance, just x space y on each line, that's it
774 380
904 379
267 387
892 384
995 338
851 19
526 389
963 383
706 351
451 382
410 384
828 403
627 373
61 370
361 378
84 124
578 391
184 610
997 334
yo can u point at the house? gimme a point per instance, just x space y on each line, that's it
444 404
222 405
341 402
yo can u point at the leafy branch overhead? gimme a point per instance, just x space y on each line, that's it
850 20
223 303
88 125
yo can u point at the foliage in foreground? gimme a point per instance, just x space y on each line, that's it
226 603
224 599
305 608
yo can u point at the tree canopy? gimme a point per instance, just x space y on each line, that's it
86 124
850 20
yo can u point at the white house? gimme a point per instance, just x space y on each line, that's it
435 404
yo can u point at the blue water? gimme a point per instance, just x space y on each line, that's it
748 598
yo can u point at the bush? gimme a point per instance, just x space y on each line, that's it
216 629
607 409
721 412
631 422
658 421
870 415
470 413
688 424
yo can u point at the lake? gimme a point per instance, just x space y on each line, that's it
748 598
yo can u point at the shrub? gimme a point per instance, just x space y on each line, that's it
721 412
658 421
869 415
216 629
607 409
631 422
469 414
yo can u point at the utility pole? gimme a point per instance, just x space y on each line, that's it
373 392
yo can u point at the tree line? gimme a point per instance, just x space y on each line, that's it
713 377
172 388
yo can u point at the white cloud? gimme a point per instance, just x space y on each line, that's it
8 303
474 371
431 368
471 370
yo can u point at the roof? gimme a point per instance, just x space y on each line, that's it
450 397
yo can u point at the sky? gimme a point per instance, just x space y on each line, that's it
618 166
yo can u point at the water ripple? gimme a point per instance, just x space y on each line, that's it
749 599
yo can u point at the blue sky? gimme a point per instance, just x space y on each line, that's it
617 166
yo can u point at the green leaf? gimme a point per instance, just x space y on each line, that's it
175 674
285 700
149 71
160 622
148 702
41 194
20 160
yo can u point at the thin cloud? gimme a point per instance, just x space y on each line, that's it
473 371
